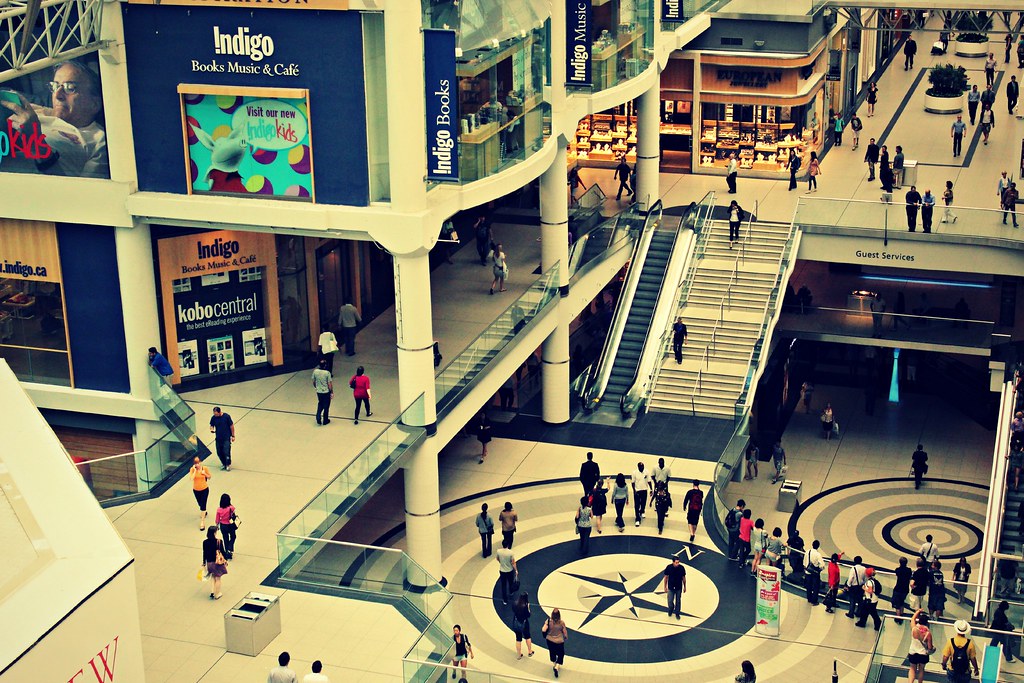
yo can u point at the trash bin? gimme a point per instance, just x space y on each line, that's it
789 495
251 624
909 173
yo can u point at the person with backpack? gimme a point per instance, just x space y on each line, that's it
959 656
869 606
693 502
732 524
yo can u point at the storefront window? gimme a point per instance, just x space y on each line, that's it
623 41
33 336
763 137
501 66
602 139
292 288
33 332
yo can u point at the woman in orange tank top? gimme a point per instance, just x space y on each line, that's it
200 487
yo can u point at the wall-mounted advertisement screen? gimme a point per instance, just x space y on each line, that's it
51 122
243 141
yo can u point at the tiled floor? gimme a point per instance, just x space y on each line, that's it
282 459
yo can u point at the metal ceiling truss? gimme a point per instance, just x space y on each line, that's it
916 20
36 34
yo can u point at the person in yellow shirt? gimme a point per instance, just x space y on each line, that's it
200 477
959 655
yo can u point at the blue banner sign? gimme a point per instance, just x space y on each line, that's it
672 10
578 42
442 106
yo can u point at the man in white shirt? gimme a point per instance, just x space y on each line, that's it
812 574
316 676
730 173
281 673
642 485
348 320
855 585
661 475
929 551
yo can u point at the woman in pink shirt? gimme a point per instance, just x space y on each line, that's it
360 385
227 520
746 526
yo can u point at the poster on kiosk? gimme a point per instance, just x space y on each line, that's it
769 600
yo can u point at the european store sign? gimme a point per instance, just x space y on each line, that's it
253 4
672 10
442 108
578 55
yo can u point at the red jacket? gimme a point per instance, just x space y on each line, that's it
361 388
833 573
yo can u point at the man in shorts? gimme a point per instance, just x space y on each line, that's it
693 503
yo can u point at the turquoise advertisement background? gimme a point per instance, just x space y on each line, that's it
249 145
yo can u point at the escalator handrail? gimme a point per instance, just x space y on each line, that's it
596 390
663 340
658 315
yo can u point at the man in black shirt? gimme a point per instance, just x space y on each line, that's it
674 585
919 465
913 204
871 158
678 339
590 472
622 173
901 589
919 583
223 428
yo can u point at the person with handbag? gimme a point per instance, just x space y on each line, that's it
555 633
485 525
228 522
328 347
921 645
584 522
499 268
360 386
214 560
521 625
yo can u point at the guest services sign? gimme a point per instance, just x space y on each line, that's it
578 44
442 108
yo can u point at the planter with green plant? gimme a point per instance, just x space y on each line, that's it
946 94
972 34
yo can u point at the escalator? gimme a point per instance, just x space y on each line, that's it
617 368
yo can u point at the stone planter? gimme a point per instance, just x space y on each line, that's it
943 105
970 49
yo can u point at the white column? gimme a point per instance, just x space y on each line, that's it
141 322
648 146
554 233
403 43
415 377
116 110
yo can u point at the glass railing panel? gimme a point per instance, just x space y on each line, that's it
862 323
342 493
879 216
44 366
451 382
116 476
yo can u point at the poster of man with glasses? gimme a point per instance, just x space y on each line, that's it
53 122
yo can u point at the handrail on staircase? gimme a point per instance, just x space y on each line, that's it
769 307
594 392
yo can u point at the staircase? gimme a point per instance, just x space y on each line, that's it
723 309
634 335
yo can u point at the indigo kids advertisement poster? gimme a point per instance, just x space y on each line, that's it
240 144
